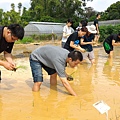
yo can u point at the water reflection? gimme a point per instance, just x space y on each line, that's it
91 83
86 76
107 69
52 106
112 70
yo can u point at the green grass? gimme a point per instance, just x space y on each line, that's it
25 40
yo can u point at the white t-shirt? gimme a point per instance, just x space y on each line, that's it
67 30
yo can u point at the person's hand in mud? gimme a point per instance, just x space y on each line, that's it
80 49
14 66
69 78
8 65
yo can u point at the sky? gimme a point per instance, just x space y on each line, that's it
98 5
6 4
101 5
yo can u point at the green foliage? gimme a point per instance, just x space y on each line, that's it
44 37
47 19
25 18
25 40
92 18
105 31
36 38
112 12
56 11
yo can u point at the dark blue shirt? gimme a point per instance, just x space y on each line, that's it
88 47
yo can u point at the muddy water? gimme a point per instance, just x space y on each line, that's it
91 83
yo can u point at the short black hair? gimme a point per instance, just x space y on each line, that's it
16 30
97 14
75 55
84 29
84 23
70 20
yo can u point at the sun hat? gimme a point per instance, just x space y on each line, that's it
91 29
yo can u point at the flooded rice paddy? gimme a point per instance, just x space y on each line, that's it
91 83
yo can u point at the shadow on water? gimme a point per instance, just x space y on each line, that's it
29 83
7 83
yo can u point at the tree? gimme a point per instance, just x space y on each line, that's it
13 6
89 12
11 16
25 17
36 10
112 12
84 2
19 8
57 9
45 10
1 15
5 18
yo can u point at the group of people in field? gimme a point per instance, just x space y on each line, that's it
76 46
83 40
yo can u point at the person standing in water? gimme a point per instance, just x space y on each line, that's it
67 31
53 60
83 23
96 23
109 42
73 41
87 42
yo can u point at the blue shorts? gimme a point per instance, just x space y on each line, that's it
36 68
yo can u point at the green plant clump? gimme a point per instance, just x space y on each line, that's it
25 40
105 31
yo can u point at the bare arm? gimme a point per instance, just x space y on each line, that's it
86 43
65 35
6 65
115 44
76 47
67 86
8 57
9 63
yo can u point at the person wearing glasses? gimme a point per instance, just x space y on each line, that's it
8 35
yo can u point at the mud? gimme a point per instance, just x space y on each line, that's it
91 83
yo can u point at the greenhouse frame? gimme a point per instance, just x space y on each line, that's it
108 22
39 28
